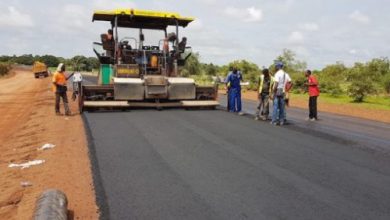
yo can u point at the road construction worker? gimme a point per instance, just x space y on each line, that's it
60 88
281 78
265 89
314 92
110 35
76 79
234 90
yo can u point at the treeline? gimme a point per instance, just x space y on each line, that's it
80 63
358 81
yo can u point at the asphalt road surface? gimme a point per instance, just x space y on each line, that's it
178 164
366 133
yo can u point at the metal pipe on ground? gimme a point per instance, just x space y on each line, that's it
51 204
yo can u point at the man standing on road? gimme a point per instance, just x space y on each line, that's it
281 78
77 79
233 85
314 92
265 89
60 88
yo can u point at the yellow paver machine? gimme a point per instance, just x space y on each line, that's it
134 74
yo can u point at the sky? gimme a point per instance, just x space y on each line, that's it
320 32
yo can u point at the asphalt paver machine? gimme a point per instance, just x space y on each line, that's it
133 74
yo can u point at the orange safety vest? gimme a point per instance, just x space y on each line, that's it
58 78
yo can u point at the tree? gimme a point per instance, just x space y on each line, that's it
210 69
292 65
26 59
362 82
331 78
250 71
192 66
295 68
49 60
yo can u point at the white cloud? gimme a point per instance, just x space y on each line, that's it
352 51
310 27
296 37
250 14
196 25
359 17
109 4
14 18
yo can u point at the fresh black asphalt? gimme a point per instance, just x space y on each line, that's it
178 164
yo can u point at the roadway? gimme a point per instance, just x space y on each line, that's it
178 164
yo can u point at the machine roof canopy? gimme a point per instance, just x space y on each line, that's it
134 18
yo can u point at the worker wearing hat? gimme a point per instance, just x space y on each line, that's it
60 88
281 78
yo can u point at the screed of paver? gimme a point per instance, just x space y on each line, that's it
28 122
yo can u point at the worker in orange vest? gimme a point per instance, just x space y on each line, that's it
60 88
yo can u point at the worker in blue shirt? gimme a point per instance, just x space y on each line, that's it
234 90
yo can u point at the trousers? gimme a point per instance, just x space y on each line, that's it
64 97
278 109
313 107
263 107
234 100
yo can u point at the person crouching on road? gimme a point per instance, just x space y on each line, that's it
279 89
314 92
60 88
265 89
233 85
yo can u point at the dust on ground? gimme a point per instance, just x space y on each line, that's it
28 122
341 109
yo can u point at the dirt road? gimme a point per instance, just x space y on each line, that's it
28 122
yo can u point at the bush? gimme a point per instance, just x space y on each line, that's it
386 84
358 89
4 69
331 87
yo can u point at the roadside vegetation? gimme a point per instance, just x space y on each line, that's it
366 83
4 68
78 62
360 83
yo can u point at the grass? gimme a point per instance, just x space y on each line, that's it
380 102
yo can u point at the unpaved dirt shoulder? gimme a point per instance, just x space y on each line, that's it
28 122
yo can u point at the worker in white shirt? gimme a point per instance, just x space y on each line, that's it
281 79
77 79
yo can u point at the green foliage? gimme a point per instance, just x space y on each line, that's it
386 83
362 82
292 65
250 71
49 60
295 68
210 69
192 66
77 62
4 69
331 77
